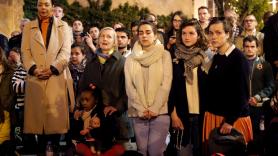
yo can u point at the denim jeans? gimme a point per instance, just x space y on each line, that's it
151 135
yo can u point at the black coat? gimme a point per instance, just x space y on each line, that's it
15 41
4 43
178 99
262 81
271 40
109 78
177 96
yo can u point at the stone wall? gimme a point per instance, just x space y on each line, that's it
12 10
159 7
11 13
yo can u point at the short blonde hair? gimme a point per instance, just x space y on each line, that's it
114 35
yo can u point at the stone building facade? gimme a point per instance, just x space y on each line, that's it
10 16
12 10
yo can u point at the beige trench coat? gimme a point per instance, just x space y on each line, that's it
46 101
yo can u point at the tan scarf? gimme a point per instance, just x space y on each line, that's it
86 117
192 57
150 58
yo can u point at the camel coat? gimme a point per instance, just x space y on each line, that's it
47 101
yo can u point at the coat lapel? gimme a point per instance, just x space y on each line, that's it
55 36
37 33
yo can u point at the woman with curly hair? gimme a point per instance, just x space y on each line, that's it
186 99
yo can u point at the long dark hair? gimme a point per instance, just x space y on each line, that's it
171 30
202 41
7 66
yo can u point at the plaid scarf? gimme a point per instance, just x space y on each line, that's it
77 69
191 57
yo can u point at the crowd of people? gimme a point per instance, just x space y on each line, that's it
201 87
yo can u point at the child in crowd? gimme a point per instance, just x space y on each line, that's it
92 131
14 57
77 64
18 82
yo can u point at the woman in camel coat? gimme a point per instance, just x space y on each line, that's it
46 99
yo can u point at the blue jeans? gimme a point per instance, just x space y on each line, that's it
151 135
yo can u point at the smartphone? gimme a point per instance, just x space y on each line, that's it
83 34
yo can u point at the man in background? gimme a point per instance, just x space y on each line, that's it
204 16
58 11
123 36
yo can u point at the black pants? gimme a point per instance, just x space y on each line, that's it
191 135
44 139
7 148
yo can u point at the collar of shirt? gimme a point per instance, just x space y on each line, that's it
126 53
46 20
228 52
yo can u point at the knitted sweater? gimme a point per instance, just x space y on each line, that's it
159 106
228 89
